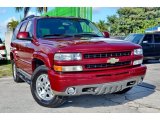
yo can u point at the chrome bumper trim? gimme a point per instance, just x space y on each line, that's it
104 88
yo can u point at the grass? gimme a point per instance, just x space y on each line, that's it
5 70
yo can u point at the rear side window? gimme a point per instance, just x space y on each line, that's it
148 38
157 38
23 27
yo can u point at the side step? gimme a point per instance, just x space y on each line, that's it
24 75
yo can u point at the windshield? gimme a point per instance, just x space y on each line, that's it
135 38
63 27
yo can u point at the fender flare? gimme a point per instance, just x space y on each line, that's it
43 57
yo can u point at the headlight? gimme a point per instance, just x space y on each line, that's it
67 68
2 52
67 56
138 51
137 62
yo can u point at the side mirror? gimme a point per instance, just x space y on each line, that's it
106 34
145 42
24 36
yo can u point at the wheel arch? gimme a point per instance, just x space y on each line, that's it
40 59
11 56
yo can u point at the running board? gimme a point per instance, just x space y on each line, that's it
24 75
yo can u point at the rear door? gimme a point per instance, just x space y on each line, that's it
157 45
148 45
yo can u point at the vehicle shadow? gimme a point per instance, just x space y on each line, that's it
90 101
4 62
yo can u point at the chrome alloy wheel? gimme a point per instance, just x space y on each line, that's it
43 87
14 71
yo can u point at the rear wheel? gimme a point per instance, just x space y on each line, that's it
14 72
123 91
41 90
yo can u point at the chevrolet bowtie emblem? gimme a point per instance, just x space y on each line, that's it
112 60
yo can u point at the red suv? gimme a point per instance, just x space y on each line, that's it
67 56
3 54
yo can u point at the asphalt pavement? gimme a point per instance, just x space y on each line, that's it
17 98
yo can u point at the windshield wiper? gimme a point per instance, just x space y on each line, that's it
87 34
56 35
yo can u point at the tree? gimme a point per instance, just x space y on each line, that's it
133 20
102 25
27 9
12 25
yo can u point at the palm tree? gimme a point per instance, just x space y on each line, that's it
27 9
102 25
24 9
42 9
12 24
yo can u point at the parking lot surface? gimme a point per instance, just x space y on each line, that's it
17 98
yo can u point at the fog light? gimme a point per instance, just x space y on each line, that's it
71 91
137 62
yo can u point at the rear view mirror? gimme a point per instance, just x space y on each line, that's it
23 36
145 42
106 34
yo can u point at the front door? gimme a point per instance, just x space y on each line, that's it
157 45
26 50
148 46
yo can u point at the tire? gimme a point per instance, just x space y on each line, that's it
16 78
123 91
41 90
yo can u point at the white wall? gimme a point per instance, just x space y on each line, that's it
8 36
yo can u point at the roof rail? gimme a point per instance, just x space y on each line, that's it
28 17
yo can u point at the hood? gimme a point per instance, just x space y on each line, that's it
90 44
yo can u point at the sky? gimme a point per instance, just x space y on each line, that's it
8 13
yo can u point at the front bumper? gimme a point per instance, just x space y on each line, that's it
97 89
99 82
3 55
2 58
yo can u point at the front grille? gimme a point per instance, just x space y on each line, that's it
105 55
107 65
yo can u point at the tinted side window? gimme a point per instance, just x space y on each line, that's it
23 27
157 38
148 38
29 28
16 31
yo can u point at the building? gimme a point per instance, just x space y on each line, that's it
83 12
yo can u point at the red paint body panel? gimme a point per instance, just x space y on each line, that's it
2 47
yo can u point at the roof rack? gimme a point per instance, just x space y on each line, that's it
28 17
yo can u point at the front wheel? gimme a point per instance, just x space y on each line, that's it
41 90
